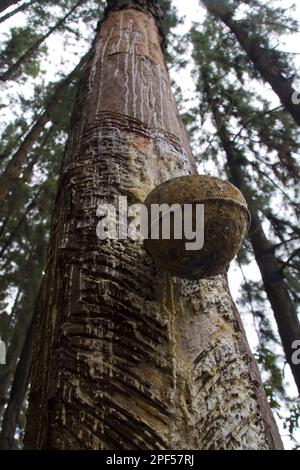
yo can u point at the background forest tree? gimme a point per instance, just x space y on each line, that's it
238 129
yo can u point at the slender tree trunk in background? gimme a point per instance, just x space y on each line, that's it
8 149
7 3
277 291
27 172
14 166
27 176
14 231
13 69
17 10
261 57
13 353
5 376
125 356
18 389
23 314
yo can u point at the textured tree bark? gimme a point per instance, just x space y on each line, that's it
14 166
127 357
284 310
7 3
262 59
14 68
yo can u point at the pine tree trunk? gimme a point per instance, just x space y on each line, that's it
284 310
18 390
13 69
21 319
125 356
21 221
14 166
13 353
7 3
17 10
263 60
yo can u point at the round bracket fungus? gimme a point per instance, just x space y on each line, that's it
226 222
